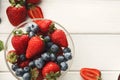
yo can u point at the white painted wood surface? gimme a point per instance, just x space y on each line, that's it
95 28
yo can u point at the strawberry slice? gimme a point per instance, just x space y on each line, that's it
90 74
35 12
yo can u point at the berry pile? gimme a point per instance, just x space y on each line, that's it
41 52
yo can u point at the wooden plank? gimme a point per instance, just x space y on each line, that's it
77 16
69 76
97 51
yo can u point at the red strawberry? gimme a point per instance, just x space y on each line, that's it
35 12
33 1
20 43
35 46
16 14
59 37
12 56
40 77
60 52
24 63
45 25
36 74
51 71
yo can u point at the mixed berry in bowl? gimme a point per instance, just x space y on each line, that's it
39 49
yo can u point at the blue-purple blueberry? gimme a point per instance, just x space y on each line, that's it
60 59
54 48
63 66
67 56
19 72
26 76
39 63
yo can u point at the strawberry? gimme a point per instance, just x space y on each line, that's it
90 74
35 12
33 1
40 77
59 37
20 42
51 71
24 63
35 46
12 56
60 52
45 25
16 14
36 74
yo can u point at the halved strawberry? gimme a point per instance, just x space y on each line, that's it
33 1
35 12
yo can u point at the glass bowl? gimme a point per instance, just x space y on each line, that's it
8 45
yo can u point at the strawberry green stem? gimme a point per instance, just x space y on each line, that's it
12 2
52 28
99 78
53 76
18 32
18 5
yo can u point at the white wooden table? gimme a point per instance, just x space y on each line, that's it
95 28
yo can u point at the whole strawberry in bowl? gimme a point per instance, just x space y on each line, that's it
39 49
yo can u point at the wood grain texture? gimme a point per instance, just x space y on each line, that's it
77 16
68 76
94 26
97 51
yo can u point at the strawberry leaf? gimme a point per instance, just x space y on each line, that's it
1 45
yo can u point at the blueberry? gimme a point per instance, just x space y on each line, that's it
49 44
66 50
45 56
32 64
31 34
46 38
60 59
26 69
67 56
22 57
19 72
39 63
34 27
63 66
28 29
14 67
52 57
26 76
54 48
